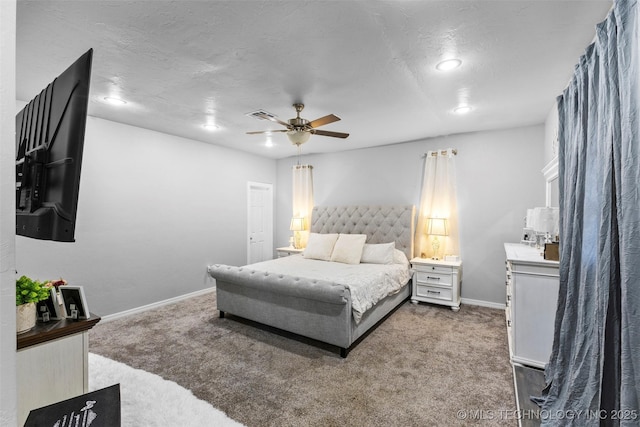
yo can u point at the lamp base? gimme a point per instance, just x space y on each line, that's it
435 245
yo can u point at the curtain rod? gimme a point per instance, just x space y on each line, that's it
442 152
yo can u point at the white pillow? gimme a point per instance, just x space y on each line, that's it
400 257
320 246
380 253
348 248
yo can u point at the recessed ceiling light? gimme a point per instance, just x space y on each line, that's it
449 64
114 101
210 126
463 109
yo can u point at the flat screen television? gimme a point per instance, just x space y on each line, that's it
50 134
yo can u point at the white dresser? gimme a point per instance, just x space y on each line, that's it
532 293
436 281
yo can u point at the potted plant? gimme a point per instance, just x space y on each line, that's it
28 293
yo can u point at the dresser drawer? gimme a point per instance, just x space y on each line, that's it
434 278
434 292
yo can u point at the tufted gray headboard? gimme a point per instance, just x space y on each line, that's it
381 224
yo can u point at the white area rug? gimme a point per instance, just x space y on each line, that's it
148 400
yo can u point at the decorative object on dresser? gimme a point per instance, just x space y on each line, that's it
75 303
546 223
29 292
288 251
531 296
436 282
53 307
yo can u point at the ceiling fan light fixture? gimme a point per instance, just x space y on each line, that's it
448 64
298 137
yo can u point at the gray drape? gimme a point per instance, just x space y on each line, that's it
594 368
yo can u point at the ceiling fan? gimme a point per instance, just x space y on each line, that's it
298 129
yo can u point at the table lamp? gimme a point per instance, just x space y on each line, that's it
436 227
546 222
297 225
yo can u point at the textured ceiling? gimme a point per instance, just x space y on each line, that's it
180 64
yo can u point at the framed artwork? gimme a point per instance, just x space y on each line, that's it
75 303
49 309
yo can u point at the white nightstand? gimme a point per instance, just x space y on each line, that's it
436 282
287 251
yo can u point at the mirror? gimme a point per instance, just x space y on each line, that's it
552 193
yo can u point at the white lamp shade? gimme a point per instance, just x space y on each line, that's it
437 227
298 137
545 220
297 224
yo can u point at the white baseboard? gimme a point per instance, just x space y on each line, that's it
143 308
151 306
482 303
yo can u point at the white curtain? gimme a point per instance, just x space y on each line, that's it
303 198
438 200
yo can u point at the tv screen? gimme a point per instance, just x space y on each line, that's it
49 143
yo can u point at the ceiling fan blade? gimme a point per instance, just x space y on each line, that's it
267 131
324 120
265 115
275 119
329 133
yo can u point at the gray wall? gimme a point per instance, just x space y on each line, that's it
498 178
154 210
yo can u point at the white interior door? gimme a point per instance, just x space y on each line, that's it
260 222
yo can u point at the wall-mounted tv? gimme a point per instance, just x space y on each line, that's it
49 143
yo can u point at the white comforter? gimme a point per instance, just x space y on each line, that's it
367 283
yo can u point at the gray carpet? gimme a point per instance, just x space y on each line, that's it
424 366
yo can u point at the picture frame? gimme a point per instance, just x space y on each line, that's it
528 235
75 303
50 306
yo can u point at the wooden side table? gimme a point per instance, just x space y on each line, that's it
52 363
437 282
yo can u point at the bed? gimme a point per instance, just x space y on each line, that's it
294 296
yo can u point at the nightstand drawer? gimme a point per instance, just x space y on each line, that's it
438 269
434 278
434 292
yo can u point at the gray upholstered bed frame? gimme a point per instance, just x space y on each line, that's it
318 309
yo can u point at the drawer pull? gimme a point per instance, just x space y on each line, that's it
429 291
433 278
509 323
